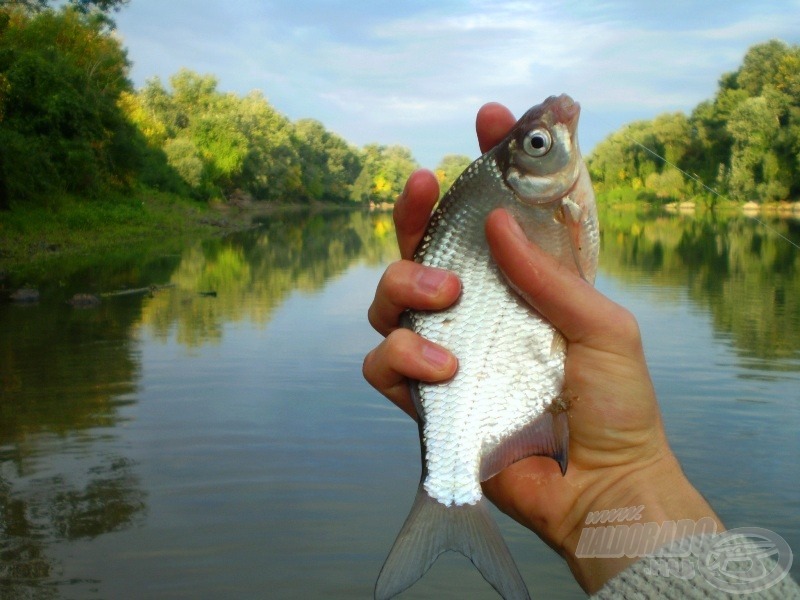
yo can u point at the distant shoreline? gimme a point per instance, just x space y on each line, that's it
33 234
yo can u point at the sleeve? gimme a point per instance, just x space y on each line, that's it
723 566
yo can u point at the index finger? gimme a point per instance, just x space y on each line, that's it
414 206
413 209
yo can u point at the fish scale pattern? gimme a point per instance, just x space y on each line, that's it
508 372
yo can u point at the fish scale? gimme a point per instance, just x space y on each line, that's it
485 340
507 399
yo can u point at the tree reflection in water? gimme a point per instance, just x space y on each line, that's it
68 378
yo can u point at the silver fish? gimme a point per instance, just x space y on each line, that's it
507 400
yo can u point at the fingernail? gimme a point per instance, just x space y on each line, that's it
431 280
435 356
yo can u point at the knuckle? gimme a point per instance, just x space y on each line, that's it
372 317
627 328
367 368
400 346
393 278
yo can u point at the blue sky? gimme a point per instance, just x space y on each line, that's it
415 72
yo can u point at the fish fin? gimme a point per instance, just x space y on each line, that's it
432 529
547 435
572 213
559 343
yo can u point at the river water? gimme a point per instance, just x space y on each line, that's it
181 444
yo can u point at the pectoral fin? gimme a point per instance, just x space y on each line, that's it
548 435
572 214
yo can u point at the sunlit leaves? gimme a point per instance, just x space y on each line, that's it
745 142
330 164
62 77
383 174
220 143
449 168
69 114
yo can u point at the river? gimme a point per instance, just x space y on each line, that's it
183 444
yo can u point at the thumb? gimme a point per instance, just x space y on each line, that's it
572 305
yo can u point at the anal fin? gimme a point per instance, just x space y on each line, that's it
547 435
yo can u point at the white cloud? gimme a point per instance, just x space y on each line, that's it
408 72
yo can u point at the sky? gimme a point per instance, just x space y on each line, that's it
415 72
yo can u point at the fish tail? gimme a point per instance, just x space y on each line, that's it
432 528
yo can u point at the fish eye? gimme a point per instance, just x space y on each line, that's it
537 142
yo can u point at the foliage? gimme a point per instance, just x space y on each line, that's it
61 77
69 114
745 142
331 165
221 144
448 170
384 172
84 6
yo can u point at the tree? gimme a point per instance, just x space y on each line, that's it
197 127
754 127
383 173
329 164
760 66
220 142
272 169
83 6
449 168
63 76
744 142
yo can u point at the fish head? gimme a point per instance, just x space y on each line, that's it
540 159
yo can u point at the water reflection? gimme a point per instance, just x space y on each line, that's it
115 437
248 275
64 375
743 272
67 375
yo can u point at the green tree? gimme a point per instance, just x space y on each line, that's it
755 172
329 164
195 125
383 173
241 143
449 168
63 76
760 66
184 156
745 142
272 169
84 6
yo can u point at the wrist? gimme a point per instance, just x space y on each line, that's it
637 511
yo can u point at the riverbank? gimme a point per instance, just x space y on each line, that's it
33 237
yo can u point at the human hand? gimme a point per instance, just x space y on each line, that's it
618 456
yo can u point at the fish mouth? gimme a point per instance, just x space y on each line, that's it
567 111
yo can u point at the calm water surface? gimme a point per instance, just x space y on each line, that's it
193 446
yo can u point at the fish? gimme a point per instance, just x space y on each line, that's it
507 400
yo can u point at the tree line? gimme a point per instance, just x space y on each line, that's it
71 122
744 143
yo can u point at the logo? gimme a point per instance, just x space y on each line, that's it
747 559
737 561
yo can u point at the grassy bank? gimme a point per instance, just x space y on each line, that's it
32 236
